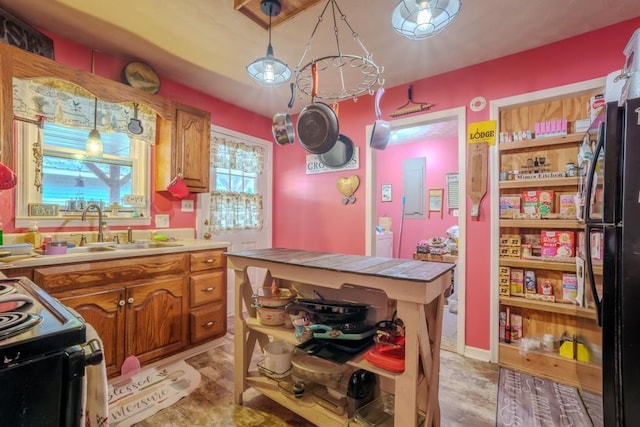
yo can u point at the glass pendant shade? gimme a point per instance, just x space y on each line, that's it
269 71
93 146
421 19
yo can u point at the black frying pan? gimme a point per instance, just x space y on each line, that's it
318 128
341 153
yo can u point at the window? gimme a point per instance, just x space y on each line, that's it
70 180
235 203
52 122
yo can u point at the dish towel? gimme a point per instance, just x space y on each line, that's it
95 407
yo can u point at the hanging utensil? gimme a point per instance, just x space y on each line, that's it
381 128
135 126
410 106
282 125
318 127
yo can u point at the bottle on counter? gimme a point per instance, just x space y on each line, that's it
507 327
105 231
33 235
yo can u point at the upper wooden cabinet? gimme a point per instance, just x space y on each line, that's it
182 149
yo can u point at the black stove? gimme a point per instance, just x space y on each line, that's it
42 357
32 323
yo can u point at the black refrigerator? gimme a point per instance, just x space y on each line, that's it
611 212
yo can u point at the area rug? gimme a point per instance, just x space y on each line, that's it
145 393
527 401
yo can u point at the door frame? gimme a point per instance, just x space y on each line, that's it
458 113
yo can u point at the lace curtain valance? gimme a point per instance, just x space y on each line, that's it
67 104
230 154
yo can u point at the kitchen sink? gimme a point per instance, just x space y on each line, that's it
145 245
89 249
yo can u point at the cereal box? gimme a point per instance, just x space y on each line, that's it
557 244
566 205
530 282
509 205
516 327
569 288
537 202
517 281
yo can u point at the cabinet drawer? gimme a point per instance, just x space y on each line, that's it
207 260
208 322
207 287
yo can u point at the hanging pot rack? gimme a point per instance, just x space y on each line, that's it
357 74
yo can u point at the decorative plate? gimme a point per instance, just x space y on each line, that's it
141 76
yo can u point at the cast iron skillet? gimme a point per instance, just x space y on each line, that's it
318 127
341 153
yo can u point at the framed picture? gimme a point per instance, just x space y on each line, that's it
435 200
386 192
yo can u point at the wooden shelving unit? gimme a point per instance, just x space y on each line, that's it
542 317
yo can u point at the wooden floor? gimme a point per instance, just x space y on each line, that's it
468 391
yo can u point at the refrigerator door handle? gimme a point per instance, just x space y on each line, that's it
590 275
590 177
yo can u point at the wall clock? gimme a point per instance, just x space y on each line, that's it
141 76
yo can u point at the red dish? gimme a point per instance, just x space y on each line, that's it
391 358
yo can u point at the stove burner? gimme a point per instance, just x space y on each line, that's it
6 289
13 322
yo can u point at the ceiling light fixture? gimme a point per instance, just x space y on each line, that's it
269 71
94 147
421 19
346 75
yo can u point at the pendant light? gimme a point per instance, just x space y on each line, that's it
268 70
94 147
421 19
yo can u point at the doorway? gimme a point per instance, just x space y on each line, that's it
403 245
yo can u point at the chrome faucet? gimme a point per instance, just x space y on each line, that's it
84 217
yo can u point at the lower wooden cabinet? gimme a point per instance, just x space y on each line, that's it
150 307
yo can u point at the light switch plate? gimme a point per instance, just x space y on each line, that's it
162 221
187 206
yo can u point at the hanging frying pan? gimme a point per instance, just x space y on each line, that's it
340 154
318 128
381 128
282 125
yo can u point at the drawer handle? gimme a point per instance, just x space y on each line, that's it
121 303
208 324
208 289
130 300
209 261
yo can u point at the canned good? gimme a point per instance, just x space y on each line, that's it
570 169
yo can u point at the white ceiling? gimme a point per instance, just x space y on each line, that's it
206 44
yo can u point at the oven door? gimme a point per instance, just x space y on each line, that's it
43 391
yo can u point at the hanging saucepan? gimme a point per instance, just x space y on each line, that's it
381 128
318 128
341 153
282 125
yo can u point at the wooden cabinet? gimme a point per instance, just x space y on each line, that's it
538 166
182 149
147 306
207 290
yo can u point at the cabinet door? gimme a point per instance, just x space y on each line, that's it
156 318
192 147
104 310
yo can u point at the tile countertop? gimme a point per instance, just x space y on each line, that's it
36 260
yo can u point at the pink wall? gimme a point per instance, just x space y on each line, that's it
441 158
222 114
307 214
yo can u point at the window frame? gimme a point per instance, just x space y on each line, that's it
26 192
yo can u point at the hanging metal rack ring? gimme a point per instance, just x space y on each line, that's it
368 75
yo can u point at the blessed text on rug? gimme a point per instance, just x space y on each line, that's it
527 401
149 391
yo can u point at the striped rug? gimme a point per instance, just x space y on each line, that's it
527 401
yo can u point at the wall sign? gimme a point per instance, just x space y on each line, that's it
435 201
17 33
314 165
42 209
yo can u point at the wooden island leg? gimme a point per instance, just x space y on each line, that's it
406 390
